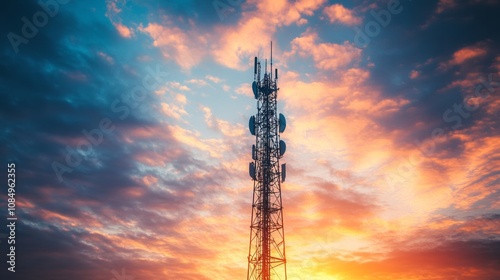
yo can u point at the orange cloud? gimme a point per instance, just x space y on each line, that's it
467 53
245 89
123 30
327 56
284 12
172 110
223 126
230 46
236 45
338 13
193 139
186 48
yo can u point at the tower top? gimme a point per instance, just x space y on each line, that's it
266 258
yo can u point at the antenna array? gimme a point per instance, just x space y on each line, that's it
266 258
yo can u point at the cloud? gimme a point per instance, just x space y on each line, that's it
467 53
338 13
113 13
245 89
222 126
177 85
444 5
112 6
173 110
414 74
213 79
123 30
476 260
285 12
447 8
230 46
183 47
235 46
327 56
198 82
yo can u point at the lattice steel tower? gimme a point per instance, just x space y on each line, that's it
266 257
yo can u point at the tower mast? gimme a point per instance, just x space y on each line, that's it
266 257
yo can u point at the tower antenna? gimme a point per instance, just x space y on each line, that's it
271 60
266 254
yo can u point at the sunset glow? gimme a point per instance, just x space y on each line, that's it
128 125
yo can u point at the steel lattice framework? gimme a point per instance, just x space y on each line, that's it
266 258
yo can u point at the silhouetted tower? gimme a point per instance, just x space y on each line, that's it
266 257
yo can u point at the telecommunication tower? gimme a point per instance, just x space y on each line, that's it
266 257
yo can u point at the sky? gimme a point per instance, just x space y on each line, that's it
127 122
